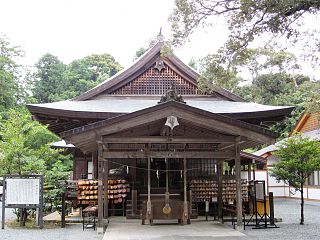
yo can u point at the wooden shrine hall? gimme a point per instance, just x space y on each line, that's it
167 139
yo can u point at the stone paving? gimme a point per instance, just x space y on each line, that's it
121 229
288 210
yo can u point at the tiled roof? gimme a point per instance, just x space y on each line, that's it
313 135
128 105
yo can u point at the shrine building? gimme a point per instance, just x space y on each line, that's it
150 143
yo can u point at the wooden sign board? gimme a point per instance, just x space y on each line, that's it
22 191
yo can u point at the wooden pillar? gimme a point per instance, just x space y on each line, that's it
149 192
100 189
63 210
249 172
220 178
185 202
238 182
95 164
105 191
254 170
167 175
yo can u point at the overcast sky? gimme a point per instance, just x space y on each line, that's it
72 29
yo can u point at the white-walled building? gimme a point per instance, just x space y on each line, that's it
308 125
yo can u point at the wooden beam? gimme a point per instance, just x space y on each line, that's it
89 133
169 154
224 139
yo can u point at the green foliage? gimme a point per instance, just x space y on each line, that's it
139 53
25 149
272 81
193 64
284 90
314 103
55 81
215 73
48 79
299 157
10 90
246 19
264 61
58 171
16 156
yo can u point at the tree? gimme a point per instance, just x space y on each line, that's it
24 149
139 53
299 157
10 90
215 73
246 19
48 79
55 81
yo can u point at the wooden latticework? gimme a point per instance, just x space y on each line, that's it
153 82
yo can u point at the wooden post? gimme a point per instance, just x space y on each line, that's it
238 182
167 175
95 165
4 187
220 173
149 192
185 202
41 203
254 170
105 192
249 172
134 202
63 210
100 189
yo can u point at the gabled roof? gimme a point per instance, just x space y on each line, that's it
306 122
222 124
142 64
313 135
123 105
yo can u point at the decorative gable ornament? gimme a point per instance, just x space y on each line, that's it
171 95
158 39
159 65
172 122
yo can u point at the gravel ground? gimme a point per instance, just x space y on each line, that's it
71 232
288 210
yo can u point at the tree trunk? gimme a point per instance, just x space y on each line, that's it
23 217
302 205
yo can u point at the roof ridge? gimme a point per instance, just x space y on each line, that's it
144 62
102 86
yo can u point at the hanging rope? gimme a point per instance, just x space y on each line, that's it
151 169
